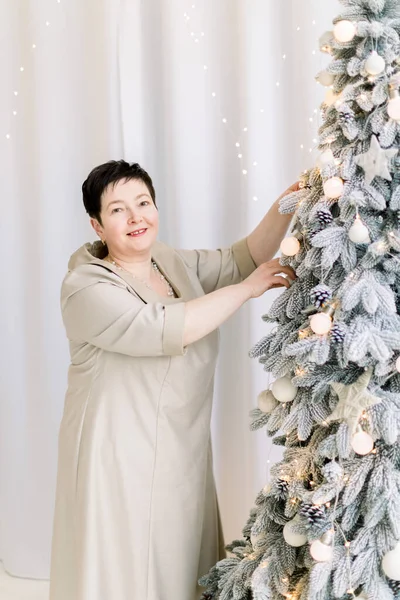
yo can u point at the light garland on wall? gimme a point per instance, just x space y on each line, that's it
237 137
22 69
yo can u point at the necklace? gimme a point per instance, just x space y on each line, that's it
155 268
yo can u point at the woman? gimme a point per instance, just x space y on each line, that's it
136 513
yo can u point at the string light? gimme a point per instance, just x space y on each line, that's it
195 38
22 70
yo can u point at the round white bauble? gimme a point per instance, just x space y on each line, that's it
291 537
344 31
394 108
325 78
325 158
358 233
333 187
325 41
321 323
362 443
391 564
330 97
266 401
362 596
398 364
290 246
321 552
284 390
375 64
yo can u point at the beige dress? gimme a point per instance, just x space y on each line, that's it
136 515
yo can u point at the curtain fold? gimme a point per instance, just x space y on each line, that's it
174 88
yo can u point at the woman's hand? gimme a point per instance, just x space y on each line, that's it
268 276
293 188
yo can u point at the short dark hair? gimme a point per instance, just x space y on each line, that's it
110 173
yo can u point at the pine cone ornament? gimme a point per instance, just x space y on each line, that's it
338 333
314 514
346 118
283 486
395 587
324 216
320 294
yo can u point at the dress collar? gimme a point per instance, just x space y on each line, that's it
169 264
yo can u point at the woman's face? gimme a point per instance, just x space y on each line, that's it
127 208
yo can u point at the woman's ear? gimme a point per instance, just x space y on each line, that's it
97 227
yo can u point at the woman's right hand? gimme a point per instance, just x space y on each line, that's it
204 314
268 276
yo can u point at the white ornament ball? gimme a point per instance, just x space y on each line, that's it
362 597
325 41
394 108
333 187
391 564
325 78
330 97
321 552
266 401
344 31
321 323
375 64
290 246
362 443
398 365
284 390
325 158
291 537
358 233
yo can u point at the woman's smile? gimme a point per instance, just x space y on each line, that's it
137 233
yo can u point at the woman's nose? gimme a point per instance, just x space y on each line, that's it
133 217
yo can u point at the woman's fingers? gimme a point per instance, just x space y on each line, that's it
280 269
280 282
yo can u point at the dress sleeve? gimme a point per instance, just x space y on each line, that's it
218 268
110 317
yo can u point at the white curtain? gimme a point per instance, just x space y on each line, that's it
149 81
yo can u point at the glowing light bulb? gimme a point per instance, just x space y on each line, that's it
333 187
290 246
321 323
344 31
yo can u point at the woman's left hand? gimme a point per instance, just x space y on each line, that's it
293 188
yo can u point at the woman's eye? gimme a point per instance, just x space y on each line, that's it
145 202
115 210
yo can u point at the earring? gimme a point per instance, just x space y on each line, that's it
104 242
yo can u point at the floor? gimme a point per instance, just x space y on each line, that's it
14 588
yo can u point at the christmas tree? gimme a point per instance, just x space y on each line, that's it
328 524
